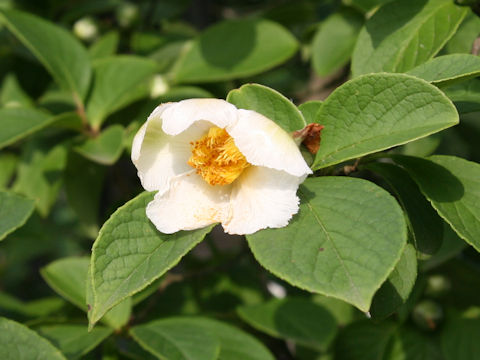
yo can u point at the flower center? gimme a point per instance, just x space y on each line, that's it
216 157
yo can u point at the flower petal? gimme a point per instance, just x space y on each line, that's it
178 117
160 157
138 139
262 198
264 143
190 203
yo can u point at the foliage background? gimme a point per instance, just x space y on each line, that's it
71 101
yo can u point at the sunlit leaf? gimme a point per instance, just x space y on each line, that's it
404 34
269 103
130 253
327 247
235 48
448 69
378 111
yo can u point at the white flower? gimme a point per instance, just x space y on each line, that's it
212 162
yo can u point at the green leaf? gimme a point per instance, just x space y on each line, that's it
106 148
68 277
35 308
40 176
63 56
105 46
74 340
14 212
297 319
17 123
116 317
466 96
462 41
378 111
459 338
130 253
235 48
327 247
269 103
452 185
234 343
118 81
8 164
12 94
364 340
423 221
404 34
18 342
177 339
448 69
83 187
309 110
395 291
334 41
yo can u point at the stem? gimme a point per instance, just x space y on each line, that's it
87 129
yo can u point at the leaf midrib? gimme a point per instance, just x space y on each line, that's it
171 341
337 253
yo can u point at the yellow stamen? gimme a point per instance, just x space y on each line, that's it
216 157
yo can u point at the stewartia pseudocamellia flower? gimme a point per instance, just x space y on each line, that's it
211 162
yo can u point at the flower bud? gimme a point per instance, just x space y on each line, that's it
86 29
159 86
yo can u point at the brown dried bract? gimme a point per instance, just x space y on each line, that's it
311 136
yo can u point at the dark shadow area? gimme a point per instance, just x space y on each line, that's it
227 49
305 194
437 182
385 302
